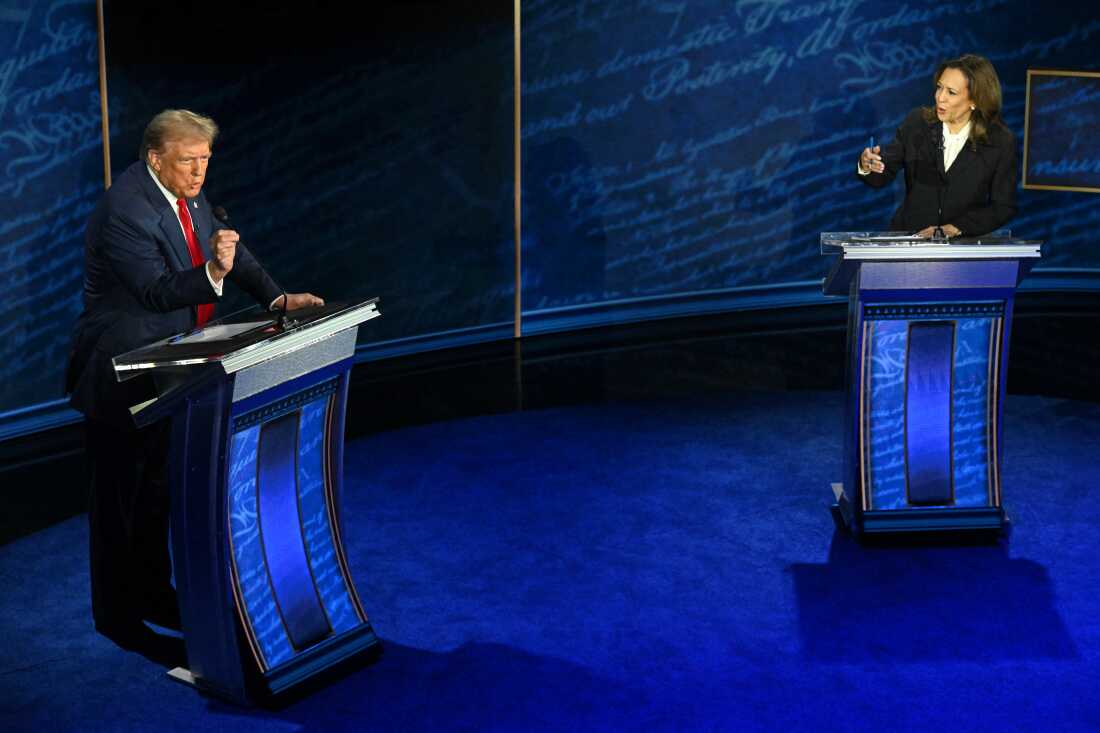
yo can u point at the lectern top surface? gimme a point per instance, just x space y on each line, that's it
868 245
247 337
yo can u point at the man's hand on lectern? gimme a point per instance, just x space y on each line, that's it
300 300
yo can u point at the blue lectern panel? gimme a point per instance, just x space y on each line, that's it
971 407
315 503
928 412
281 532
928 388
256 600
888 341
293 587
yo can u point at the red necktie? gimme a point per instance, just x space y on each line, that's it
206 310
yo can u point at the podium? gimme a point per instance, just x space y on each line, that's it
928 333
257 414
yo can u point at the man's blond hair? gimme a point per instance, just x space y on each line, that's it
176 124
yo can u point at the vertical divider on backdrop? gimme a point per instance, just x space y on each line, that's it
517 142
105 121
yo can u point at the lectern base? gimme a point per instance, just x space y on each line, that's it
841 508
911 521
183 676
328 660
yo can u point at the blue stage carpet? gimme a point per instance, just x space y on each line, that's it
652 566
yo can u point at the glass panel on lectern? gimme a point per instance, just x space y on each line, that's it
836 242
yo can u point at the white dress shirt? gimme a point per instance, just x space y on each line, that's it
217 285
953 144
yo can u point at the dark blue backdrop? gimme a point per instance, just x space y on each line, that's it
1063 148
678 156
355 159
51 160
679 152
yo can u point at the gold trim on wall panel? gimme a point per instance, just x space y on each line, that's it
1027 125
517 88
103 95
1079 189
1027 128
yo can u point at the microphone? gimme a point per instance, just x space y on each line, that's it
284 322
938 234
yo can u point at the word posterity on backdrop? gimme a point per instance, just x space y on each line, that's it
51 159
678 148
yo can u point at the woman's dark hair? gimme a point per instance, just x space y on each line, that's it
984 88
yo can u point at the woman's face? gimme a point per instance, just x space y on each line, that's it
953 104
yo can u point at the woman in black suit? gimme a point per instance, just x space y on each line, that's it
959 157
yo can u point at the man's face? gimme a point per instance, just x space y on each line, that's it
181 165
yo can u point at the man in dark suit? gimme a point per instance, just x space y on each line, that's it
156 261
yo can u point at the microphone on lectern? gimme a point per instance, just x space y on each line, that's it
284 322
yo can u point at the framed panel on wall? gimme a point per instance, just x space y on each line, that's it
1062 114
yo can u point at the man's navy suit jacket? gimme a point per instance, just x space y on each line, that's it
140 286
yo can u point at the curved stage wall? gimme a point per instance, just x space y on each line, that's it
684 156
356 159
678 157
51 174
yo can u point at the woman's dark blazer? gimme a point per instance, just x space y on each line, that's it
977 194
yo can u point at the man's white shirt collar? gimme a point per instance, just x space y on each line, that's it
167 194
216 285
